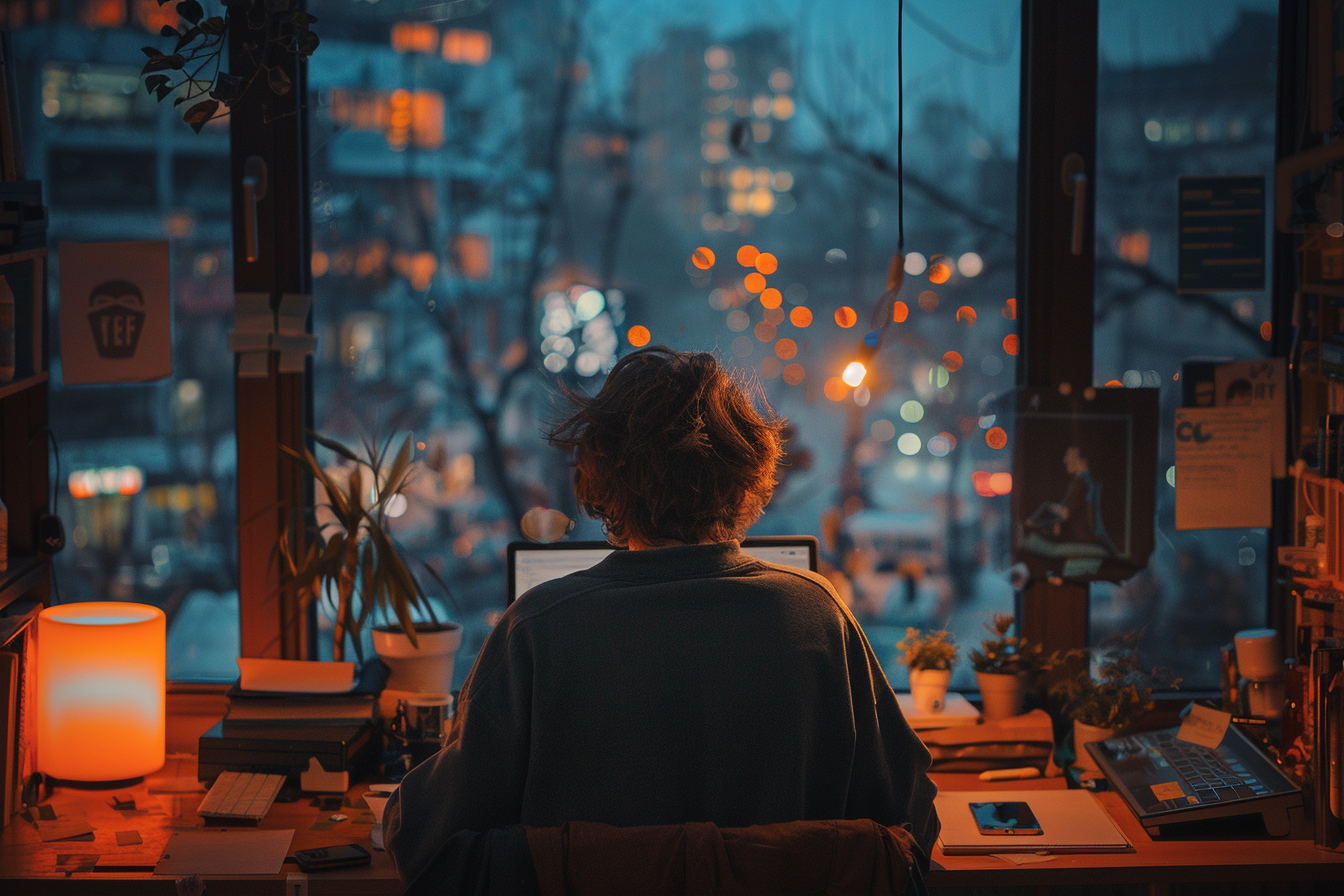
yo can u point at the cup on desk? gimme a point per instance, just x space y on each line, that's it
428 716
1259 654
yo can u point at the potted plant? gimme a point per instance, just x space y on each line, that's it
1105 691
1005 667
349 553
930 657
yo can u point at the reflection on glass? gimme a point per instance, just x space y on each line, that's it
143 474
1178 96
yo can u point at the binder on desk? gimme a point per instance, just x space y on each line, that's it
1071 821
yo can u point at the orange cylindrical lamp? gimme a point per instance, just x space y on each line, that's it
101 672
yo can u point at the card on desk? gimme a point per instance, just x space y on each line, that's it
1070 821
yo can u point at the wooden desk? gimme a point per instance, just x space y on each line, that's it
1156 863
37 867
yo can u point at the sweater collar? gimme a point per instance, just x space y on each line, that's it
673 562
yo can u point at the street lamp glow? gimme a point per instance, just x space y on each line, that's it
854 374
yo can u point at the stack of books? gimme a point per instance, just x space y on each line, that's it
251 711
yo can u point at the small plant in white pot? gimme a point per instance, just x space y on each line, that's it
1105 690
348 551
930 657
1005 666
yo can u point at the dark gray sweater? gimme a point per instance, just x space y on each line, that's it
690 683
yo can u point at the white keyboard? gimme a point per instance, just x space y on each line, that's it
241 796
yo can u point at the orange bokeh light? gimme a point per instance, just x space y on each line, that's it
835 389
1010 309
940 271
996 437
1001 483
846 317
980 480
928 300
746 256
771 298
1266 331
966 315
1010 343
638 336
765 331
952 361
753 282
1114 384
899 312
767 263
800 317
794 374
786 348
703 258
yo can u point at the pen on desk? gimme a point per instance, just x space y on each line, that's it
1009 774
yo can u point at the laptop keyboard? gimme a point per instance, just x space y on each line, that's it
1212 777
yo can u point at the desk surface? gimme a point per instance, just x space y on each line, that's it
129 868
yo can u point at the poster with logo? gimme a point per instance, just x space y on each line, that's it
116 312
1224 462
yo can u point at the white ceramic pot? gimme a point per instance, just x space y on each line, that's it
1001 694
426 668
928 688
1084 734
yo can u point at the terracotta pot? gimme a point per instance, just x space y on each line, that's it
928 688
1084 734
1001 694
423 669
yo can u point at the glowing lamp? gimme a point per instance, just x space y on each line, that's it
101 671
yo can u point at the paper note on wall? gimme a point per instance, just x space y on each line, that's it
1260 384
116 312
1223 467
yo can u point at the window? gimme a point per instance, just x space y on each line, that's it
720 178
517 197
1197 100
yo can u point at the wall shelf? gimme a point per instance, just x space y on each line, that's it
18 385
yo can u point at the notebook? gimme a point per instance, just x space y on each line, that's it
1070 820
530 564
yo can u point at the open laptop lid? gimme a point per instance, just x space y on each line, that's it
530 564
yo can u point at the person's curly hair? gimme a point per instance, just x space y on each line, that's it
672 449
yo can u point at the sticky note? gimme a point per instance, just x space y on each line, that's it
1204 726
1169 790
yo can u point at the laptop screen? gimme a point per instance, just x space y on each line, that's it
531 564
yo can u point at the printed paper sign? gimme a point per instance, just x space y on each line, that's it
1224 460
1259 384
116 312
1204 726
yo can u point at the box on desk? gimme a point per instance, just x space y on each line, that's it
279 749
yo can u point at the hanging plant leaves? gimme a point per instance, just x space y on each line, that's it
279 81
168 31
306 43
163 63
213 25
154 82
190 10
227 88
200 113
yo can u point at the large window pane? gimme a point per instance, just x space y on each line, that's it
1192 95
144 474
514 198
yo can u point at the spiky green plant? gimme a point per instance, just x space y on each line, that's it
347 546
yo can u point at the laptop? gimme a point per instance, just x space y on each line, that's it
530 564
1166 781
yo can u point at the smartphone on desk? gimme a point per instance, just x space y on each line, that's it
1005 819
331 857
